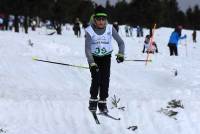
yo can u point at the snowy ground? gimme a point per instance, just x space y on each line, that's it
43 98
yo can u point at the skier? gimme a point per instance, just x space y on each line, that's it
98 49
173 41
147 48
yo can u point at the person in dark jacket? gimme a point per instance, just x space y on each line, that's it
173 41
98 50
1 23
77 28
116 26
194 36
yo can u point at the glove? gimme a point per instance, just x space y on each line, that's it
120 58
94 67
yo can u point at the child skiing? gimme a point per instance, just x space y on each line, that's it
98 49
147 46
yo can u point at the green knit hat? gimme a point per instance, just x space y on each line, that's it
100 12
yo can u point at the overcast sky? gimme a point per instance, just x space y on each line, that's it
183 4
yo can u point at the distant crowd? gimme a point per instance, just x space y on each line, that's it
9 22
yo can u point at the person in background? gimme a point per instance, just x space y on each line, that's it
149 48
173 40
10 25
194 36
127 30
33 24
141 31
98 50
131 31
1 23
138 31
116 26
77 28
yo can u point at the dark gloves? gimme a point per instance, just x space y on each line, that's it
94 68
120 58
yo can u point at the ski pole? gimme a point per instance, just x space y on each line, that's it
151 43
65 64
139 60
186 51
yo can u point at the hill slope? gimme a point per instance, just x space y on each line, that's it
43 98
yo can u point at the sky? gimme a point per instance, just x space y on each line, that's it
183 4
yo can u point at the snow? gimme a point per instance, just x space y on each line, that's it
45 98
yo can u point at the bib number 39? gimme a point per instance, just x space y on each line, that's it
100 51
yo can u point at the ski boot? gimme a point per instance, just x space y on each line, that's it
102 105
93 105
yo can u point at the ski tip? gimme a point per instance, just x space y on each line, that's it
95 117
34 58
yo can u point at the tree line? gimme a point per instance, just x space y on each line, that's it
137 12
148 12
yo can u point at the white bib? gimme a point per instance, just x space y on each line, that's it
101 44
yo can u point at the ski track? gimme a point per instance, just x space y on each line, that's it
43 98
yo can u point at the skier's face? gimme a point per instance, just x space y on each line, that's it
100 22
147 40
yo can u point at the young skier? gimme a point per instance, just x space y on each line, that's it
98 49
147 48
173 41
